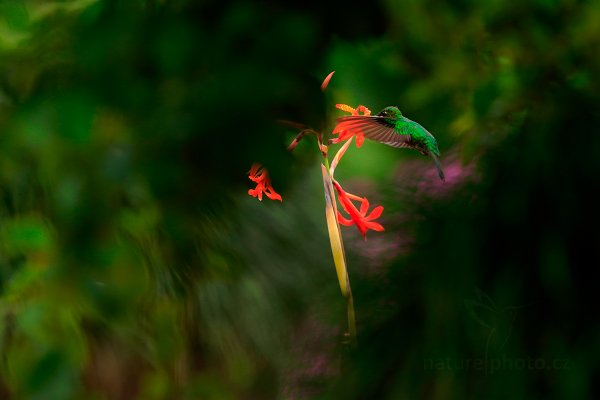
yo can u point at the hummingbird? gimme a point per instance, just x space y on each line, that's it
390 127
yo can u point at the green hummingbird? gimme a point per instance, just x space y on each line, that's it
390 127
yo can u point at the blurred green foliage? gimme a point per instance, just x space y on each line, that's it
134 265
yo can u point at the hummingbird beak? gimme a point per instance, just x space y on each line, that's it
438 165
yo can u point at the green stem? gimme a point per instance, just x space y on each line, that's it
351 317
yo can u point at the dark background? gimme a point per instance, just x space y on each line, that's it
134 265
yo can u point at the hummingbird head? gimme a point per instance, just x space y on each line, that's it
391 112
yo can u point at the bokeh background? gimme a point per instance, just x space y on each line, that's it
133 263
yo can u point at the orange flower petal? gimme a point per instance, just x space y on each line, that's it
363 110
359 218
374 226
254 169
346 108
260 176
376 213
359 140
344 221
364 206
273 195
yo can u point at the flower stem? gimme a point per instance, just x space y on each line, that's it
337 248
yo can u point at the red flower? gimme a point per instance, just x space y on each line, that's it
342 127
359 218
259 175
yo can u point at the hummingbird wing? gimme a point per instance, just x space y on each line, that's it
374 128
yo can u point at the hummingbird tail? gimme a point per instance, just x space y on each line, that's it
438 165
